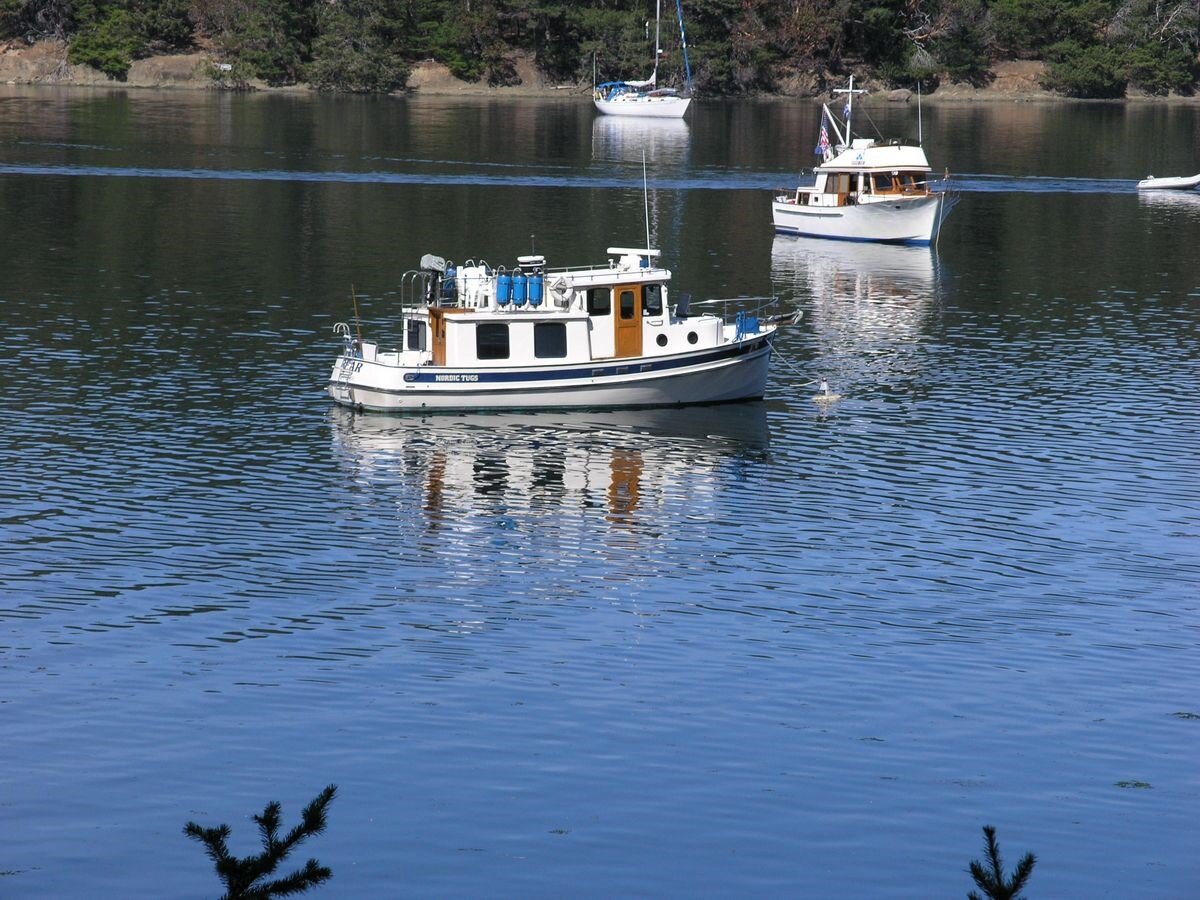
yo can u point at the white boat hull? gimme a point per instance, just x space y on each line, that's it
1169 184
734 372
654 107
901 221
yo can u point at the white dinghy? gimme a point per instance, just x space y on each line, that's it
599 337
1169 184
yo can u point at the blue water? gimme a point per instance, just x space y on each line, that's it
800 647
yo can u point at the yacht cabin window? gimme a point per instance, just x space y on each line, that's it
837 183
628 306
415 334
599 301
652 304
550 340
491 340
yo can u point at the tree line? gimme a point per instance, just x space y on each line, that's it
1092 48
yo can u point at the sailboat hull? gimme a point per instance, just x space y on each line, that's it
646 106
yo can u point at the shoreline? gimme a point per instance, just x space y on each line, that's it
44 64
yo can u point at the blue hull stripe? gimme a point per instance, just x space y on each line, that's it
634 366
787 229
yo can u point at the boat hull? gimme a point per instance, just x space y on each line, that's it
906 221
646 107
1169 184
737 372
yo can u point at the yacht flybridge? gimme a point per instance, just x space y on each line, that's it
604 336
865 190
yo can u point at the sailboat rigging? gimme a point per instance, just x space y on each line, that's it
646 98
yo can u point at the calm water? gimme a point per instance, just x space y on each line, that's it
781 648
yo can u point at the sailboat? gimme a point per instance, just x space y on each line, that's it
646 98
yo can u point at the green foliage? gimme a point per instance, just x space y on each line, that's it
1026 26
357 47
165 24
34 19
964 49
1159 70
110 34
267 39
108 41
1093 71
989 876
243 876
1092 46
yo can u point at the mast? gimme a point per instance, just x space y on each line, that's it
849 110
657 16
687 68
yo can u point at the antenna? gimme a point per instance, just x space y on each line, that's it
357 321
646 199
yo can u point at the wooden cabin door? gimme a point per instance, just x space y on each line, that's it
627 321
437 327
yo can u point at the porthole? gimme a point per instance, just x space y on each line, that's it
693 337
662 340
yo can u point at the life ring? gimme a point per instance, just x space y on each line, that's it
562 290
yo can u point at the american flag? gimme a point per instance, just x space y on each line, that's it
823 140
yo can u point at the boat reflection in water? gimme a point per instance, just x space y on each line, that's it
1183 203
624 462
620 138
866 305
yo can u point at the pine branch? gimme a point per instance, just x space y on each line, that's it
240 875
993 883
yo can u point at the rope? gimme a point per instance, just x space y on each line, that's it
783 359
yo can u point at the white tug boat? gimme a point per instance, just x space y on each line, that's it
864 190
646 98
595 337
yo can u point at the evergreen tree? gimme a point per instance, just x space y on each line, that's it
243 876
990 878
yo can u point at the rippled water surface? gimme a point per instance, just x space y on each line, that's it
798 647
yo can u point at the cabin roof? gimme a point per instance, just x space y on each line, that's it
877 157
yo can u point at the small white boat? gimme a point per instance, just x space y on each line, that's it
865 190
597 337
1169 184
646 98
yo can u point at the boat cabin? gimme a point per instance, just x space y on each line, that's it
867 172
478 317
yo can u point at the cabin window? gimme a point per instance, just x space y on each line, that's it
599 301
415 334
652 304
838 183
883 183
491 341
627 305
550 340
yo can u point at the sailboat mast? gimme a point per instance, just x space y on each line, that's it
657 17
687 68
